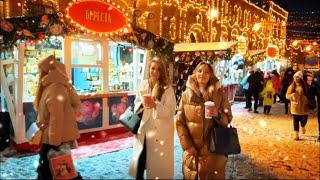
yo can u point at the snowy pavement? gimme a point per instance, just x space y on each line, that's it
268 148
268 152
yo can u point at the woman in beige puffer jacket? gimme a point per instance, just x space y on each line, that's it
297 94
194 130
57 104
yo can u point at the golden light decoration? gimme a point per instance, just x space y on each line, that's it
256 27
213 13
295 43
308 48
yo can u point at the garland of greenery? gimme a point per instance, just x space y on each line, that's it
158 46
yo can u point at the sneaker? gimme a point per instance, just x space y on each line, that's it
255 111
303 130
250 109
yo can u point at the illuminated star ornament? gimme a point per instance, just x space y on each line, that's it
99 17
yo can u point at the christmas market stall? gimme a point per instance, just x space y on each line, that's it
105 58
188 55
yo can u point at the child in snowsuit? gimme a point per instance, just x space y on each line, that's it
267 94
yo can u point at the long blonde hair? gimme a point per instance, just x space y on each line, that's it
212 85
159 87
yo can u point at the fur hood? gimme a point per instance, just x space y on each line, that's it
193 85
56 72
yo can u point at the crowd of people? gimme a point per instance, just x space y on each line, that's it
298 88
57 104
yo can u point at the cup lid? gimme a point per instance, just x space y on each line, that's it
209 103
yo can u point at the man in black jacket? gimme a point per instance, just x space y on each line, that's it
255 81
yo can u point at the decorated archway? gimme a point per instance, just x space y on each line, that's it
196 30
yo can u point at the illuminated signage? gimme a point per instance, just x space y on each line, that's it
103 18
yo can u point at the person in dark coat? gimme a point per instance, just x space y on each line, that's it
286 81
255 87
318 99
312 83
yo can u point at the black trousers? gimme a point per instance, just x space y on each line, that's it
303 119
43 169
267 109
286 105
142 162
319 114
255 95
248 98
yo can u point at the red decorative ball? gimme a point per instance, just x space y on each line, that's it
272 51
41 36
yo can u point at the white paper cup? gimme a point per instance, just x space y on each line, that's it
208 105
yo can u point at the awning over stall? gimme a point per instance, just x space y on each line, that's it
203 46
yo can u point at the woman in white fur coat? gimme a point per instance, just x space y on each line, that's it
153 149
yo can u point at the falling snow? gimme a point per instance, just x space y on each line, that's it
60 97
268 152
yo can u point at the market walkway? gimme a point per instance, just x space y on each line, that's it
268 148
268 151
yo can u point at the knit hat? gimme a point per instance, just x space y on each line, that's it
298 74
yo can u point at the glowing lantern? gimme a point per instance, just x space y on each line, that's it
272 51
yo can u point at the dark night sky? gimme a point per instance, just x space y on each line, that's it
299 5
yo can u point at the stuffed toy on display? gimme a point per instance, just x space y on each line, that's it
235 68
221 71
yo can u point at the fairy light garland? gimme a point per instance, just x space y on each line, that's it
7 4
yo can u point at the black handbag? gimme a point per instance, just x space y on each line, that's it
131 120
224 140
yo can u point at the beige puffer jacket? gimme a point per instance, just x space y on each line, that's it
298 103
194 131
58 105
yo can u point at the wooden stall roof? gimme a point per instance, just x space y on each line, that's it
203 46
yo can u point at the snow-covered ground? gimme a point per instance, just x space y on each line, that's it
268 148
268 151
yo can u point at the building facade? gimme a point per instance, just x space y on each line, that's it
189 20
214 21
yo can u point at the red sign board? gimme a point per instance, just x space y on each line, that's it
97 16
